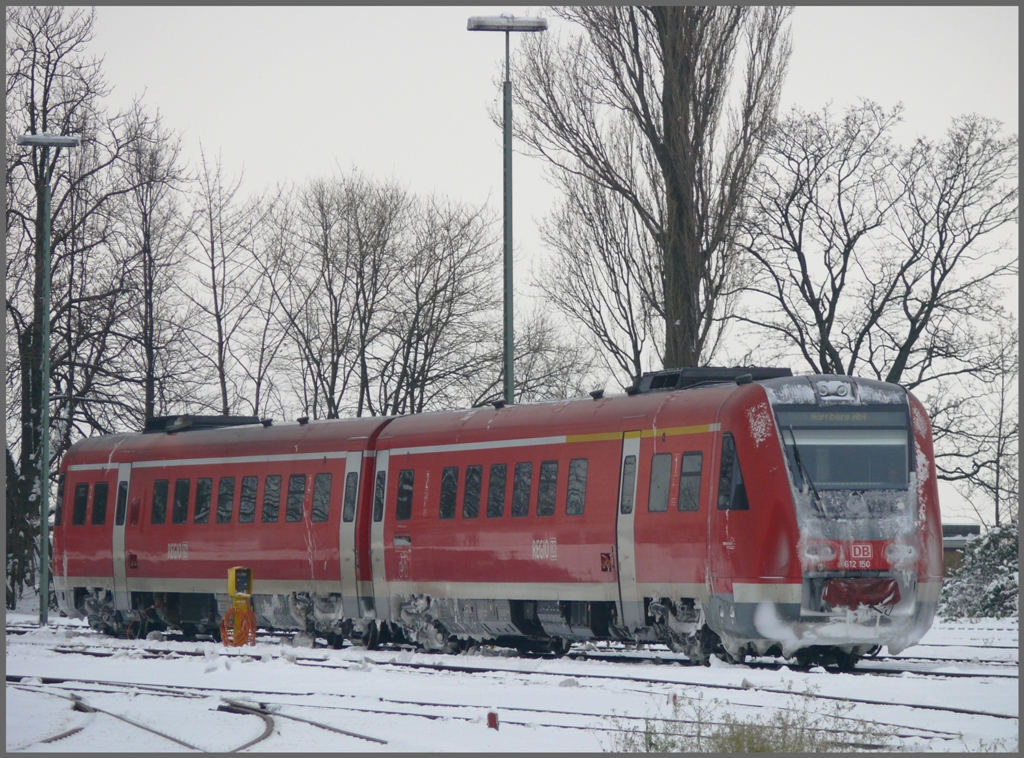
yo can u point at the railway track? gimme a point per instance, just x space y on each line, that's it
997 669
512 715
477 668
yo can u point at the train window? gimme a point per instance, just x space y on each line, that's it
247 503
80 505
496 491
179 510
576 495
296 496
321 497
122 503
471 495
99 503
271 498
179 514
689 481
521 486
449 491
403 505
348 513
159 512
661 477
378 496
546 488
204 496
628 484
225 499
732 492
60 500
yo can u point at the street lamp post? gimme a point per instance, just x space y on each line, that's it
507 24
45 141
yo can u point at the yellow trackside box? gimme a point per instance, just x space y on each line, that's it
239 581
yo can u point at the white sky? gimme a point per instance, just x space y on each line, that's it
403 93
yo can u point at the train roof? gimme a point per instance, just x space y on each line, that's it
585 415
254 439
575 416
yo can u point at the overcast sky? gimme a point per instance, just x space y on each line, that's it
403 93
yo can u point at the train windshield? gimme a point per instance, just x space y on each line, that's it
847 449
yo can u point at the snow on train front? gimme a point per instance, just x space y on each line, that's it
866 566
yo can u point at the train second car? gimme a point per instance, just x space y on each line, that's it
740 515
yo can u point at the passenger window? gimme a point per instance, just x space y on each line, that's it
296 496
732 492
403 506
179 514
576 495
471 496
689 481
496 491
99 503
348 512
204 496
122 503
271 498
661 477
179 511
60 500
159 513
225 499
628 484
449 491
321 497
378 495
81 504
547 488
247 503
521 486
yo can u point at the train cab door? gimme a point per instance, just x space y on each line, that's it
382 598
124 473
631 602
347 547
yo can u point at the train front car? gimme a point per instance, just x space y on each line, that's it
826 540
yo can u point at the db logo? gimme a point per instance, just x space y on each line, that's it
860 551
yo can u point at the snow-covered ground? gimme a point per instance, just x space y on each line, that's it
962 680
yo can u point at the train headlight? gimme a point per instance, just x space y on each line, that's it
821 552
895 553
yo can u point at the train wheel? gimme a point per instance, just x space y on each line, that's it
369 639
846 661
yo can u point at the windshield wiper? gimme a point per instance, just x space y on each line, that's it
807 477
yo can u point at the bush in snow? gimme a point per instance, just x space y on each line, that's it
987 584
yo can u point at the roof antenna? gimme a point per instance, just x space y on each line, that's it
597 394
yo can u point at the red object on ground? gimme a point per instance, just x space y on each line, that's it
852 593
492 720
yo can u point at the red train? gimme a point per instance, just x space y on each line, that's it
728 511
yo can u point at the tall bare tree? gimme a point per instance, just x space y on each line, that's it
54 86
638 104
223 231
880 260
888 261
154 237
442 302
976 426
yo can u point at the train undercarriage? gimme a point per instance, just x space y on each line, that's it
445 625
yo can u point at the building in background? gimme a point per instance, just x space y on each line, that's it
954 537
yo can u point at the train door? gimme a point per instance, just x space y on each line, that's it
347 547
124 473
382 599
632 603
